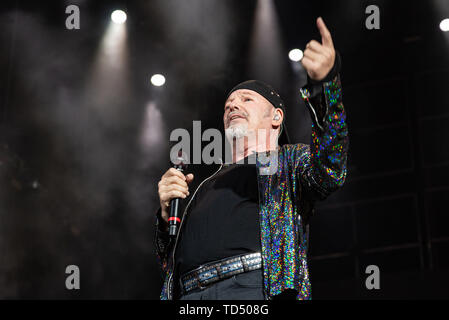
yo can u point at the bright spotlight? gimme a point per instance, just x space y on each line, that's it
295 55
158 80
444 25
118 16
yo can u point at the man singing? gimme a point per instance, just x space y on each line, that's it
244 233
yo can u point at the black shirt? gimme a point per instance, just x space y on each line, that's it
224 218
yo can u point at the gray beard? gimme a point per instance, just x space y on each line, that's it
236 132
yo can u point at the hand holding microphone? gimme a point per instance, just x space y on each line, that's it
172 187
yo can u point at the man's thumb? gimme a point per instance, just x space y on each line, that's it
189 177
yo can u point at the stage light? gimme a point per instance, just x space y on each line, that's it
158 80
267 58
108 84
444 25
152 128
118 16
295 55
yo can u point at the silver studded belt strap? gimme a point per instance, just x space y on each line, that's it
215 271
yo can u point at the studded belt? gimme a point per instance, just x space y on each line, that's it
212 272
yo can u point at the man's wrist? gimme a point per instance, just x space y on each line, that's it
161 223
331 75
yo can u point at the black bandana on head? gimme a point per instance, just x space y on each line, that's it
272 96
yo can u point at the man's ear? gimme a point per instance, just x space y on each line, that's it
278 116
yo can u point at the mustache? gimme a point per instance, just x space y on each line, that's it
236 113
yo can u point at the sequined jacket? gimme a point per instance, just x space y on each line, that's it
305 174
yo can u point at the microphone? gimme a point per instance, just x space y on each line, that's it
174 219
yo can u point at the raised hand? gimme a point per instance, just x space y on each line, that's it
318 57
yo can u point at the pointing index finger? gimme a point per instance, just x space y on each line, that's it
326 37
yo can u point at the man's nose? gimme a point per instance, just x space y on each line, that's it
234 106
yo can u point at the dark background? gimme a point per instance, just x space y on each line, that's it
82 146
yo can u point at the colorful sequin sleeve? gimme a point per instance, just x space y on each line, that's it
323 164
161 242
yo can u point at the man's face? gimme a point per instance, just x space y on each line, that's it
247 110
